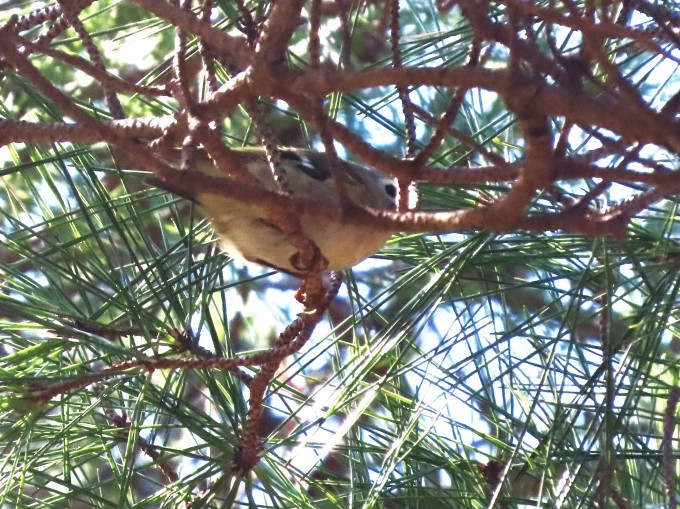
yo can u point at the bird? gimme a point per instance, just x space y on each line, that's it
246 232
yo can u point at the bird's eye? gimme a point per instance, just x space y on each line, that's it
391 190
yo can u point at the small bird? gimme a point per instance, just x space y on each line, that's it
246 232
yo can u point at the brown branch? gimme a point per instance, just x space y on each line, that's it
250 28
44 14
51 13
151 364
402 91
240 89
601 28
221 156
314 42
529 97
236 49
594 46
443 125
574 168
291 340
108 80
342 12
21 131
637 204
482 218
520 92
185 342
122 423
499 32
207 54
71 14
536 175
568 168
9 42
283 20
